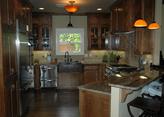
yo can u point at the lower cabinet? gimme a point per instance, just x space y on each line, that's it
94 104
93 73
69 80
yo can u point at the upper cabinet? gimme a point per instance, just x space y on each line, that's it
121 16
98 29
41 31
144 36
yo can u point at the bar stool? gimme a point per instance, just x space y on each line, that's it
150 107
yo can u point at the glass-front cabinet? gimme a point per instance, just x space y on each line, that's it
98 30
41 31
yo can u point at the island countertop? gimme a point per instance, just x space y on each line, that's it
97 87
134 80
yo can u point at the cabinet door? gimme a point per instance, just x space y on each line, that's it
93 42
99 27
143 42
94 104
91 73
144 37
104 36
119 42
41 31
121 16
8 12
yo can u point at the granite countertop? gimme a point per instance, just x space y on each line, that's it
98 87
130 81
134 80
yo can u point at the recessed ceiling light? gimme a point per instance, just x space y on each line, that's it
99 9
41 8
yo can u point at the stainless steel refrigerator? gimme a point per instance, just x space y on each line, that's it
24 68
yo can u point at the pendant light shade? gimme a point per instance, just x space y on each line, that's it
153 25
140 23
71 8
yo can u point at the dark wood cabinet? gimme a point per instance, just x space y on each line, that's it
121 16
93 73
144 37
41 31
118 42
98 29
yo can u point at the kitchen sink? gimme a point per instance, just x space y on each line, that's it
74 66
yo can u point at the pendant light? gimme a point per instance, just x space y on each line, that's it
71 8
141 22
70 24
154 25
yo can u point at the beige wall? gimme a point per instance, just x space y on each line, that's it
162 31
62 21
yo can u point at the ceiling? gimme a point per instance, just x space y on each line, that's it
86 6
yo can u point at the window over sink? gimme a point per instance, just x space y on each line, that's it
71 40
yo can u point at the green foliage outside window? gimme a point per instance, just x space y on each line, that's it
73 41
70 37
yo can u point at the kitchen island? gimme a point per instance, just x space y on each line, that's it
119 89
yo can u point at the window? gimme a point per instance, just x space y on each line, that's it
71 40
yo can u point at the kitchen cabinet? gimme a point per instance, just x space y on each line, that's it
94 104
121 16
41 31
118 42
8 12
98 29
93 73
143 36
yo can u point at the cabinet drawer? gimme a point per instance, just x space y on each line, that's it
91 67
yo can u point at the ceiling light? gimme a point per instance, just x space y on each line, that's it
71 8
140 23
99 9
153 25
41 8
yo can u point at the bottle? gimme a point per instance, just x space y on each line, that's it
49 58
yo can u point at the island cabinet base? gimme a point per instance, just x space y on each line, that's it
94 104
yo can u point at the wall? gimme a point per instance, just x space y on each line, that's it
162 31
61 22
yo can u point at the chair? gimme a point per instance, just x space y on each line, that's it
152 106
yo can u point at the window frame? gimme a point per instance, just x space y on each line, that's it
70 30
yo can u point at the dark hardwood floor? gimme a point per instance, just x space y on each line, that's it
53 103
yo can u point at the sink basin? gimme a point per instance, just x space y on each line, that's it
73 66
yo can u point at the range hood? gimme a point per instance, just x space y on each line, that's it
124 33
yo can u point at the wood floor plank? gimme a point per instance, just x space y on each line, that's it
52 103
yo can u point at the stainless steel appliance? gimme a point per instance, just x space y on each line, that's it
48 76
117 68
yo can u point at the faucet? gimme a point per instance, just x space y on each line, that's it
67 57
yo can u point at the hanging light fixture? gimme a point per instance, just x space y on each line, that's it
71 8
153 25
141 22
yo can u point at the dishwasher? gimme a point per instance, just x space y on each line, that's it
48 76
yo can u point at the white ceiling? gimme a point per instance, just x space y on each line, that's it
57 6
